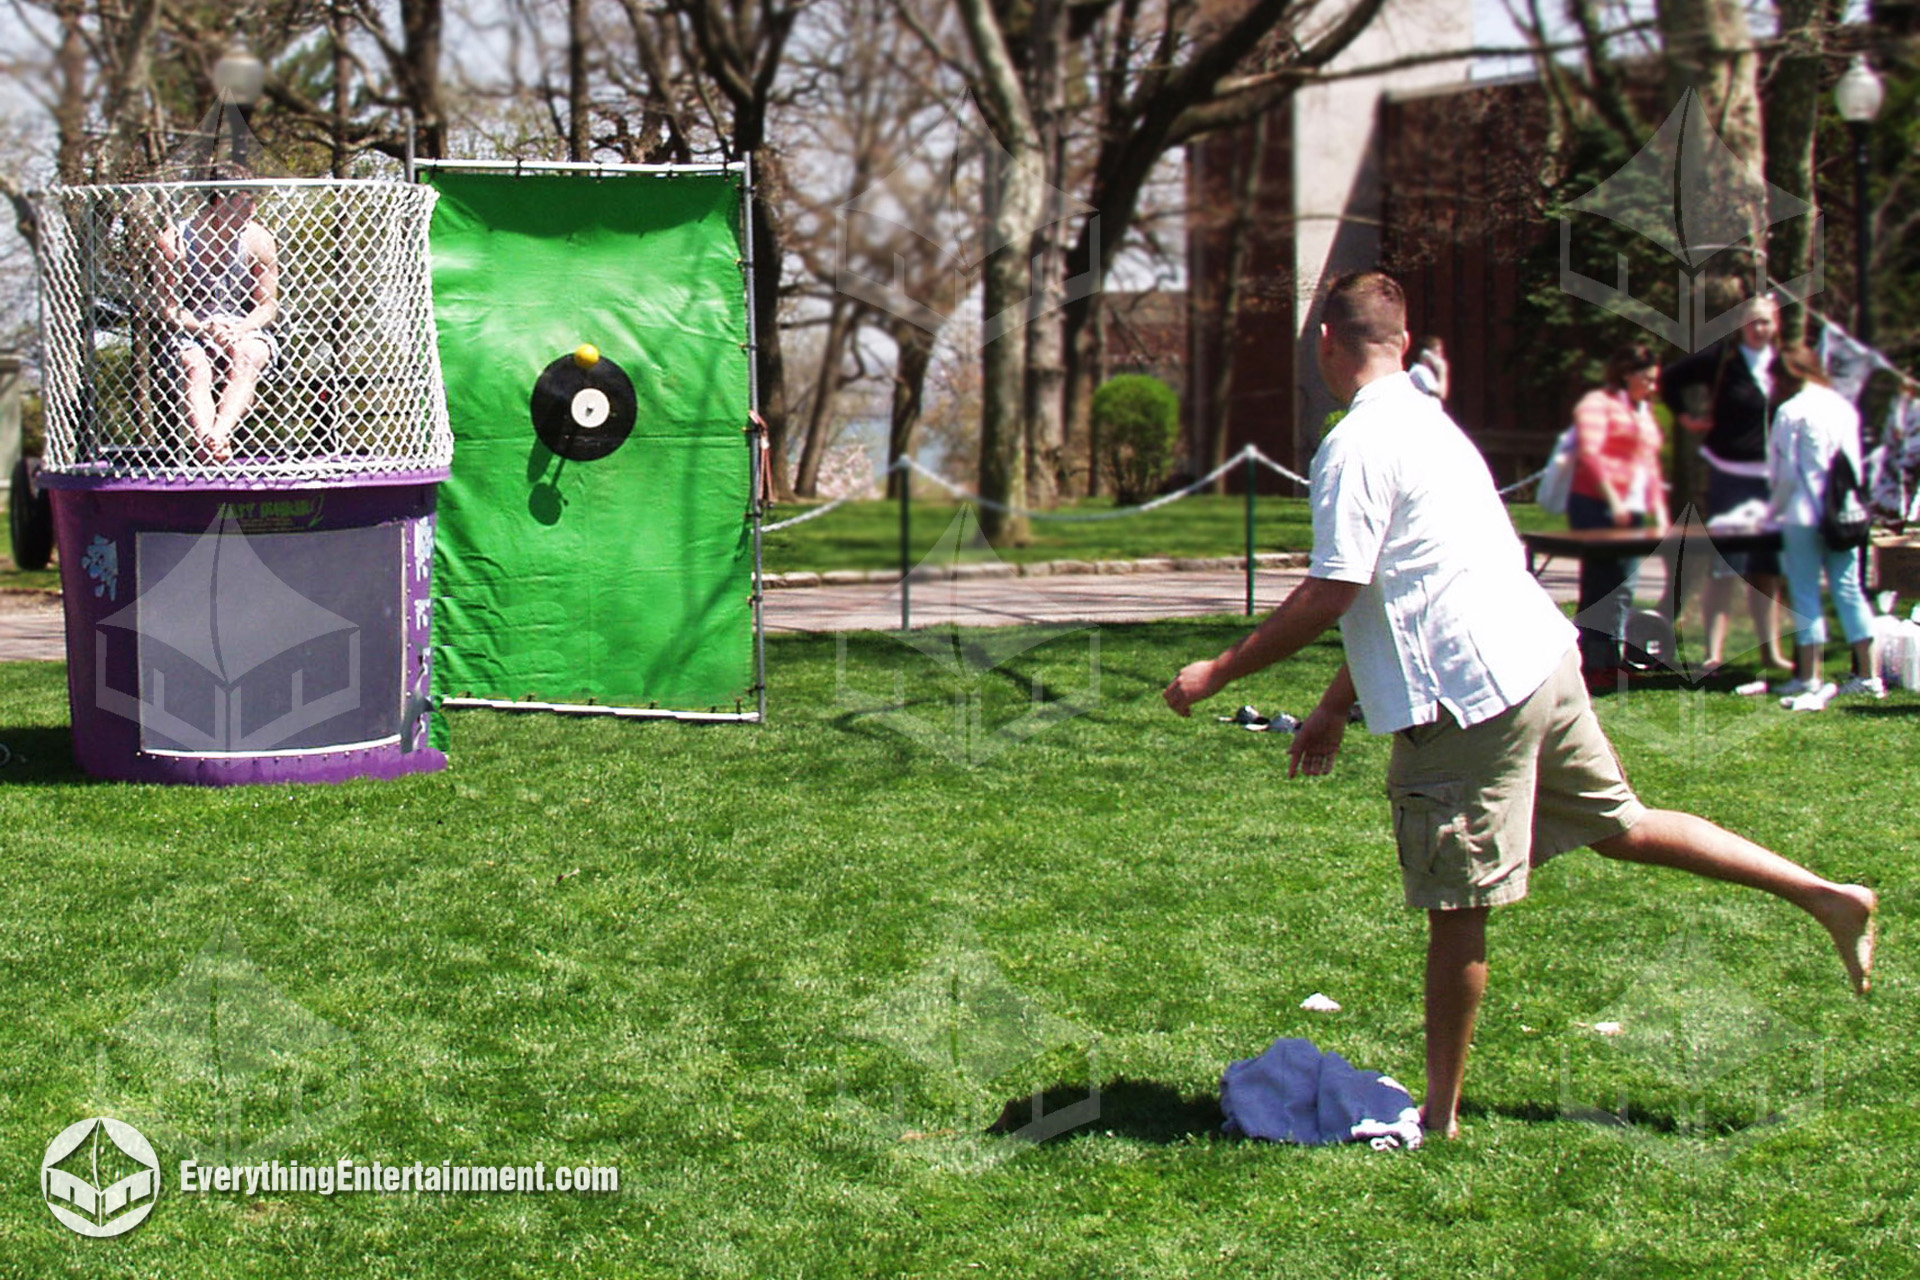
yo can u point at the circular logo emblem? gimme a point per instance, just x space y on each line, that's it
100 1177
581 413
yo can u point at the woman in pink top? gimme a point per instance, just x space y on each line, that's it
1616 485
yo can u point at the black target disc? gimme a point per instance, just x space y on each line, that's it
583 415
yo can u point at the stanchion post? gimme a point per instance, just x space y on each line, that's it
906 545
1251 473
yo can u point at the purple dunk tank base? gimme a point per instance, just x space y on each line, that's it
221 636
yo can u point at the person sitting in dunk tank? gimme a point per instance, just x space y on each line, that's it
223 274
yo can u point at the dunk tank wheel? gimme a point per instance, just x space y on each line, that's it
29 520
1649 643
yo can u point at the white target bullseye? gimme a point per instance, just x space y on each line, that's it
591 407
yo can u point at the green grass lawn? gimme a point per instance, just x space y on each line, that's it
784 977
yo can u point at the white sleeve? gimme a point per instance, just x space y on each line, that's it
1352 505
1780 461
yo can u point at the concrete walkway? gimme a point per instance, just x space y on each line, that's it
1005 602
32 627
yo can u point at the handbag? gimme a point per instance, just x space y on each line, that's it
1556 482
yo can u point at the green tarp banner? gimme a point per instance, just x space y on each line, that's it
613 571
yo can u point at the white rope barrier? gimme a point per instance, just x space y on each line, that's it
1271 465
1084 517
1518 485
815 514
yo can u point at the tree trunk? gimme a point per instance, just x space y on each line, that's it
909 393
1046 362
1240 233
342 88
770 367
579 122
1086 368
825 386
1014 198
1095 364
1793 114
1048 470
70 108
129 97
1709 49
1014 205
422 21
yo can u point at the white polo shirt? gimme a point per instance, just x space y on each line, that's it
1447 614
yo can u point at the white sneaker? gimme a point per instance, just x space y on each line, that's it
1812 699
1872 686
1794 688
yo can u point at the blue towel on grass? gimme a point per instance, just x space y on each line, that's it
1295 1093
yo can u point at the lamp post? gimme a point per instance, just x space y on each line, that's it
240 78
1858 95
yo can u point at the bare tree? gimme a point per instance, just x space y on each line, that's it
1016 198
1792 120
1161 93
739 46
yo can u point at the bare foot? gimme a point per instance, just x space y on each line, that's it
1850 919
215 448
1450 1131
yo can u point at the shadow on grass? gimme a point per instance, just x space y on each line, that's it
1881 711
1722 1125
1139 1109
39 754
1150 1112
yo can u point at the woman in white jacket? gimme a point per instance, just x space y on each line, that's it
1808 429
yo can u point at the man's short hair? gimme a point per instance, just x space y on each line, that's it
1366 309
225 171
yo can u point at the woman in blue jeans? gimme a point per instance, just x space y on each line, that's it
1616 485
1810 427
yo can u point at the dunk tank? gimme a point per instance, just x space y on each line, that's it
246 552
272 584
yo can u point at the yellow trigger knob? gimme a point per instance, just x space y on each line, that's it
586 355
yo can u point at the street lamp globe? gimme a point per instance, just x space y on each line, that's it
241 76
1859 93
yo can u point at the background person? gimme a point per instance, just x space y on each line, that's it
1814 424
222 276
1498 761
1430 371
1616 485
1726 394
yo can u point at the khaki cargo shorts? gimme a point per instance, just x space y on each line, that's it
1475 809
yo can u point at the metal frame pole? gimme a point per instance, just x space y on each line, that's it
1863 229
1251 474
906 546
761 462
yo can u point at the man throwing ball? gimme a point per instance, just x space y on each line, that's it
1498 761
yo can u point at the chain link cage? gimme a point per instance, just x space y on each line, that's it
160 302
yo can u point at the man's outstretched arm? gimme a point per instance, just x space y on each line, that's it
1315 605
